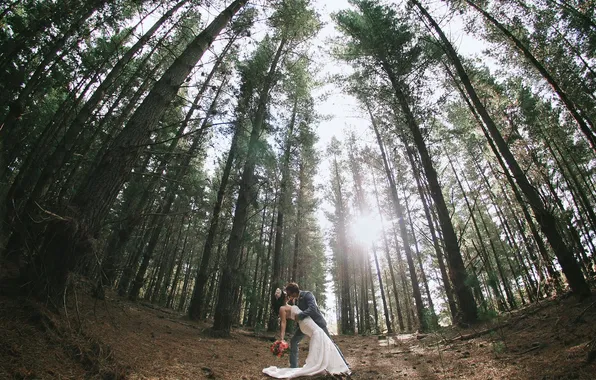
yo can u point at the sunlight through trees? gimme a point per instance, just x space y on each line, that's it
200 155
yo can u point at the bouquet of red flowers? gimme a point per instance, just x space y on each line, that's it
279 348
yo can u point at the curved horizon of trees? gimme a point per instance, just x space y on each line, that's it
168 151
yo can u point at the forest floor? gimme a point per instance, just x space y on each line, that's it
118 339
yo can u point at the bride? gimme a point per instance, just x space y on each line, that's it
323 355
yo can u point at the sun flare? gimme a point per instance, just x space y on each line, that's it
366 229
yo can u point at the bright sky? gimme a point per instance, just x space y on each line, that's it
345 115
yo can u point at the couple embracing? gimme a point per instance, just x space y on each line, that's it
323 355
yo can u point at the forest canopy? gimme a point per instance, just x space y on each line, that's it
200 155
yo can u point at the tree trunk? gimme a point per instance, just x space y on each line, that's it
224 310
398 209
400 318
263 316
299 205
94 198
347 317
545 218
17 107
383 299
585 124
483 251
188 271
197 301
171 262
528 244
132 264
374 297
431 226
503 224
433 316
457 269
276 279
174 287
148 253
260 254
65 148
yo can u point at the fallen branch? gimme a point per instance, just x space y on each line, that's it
488 331
480 333
533 348
591 351
577 319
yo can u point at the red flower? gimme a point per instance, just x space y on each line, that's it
279 348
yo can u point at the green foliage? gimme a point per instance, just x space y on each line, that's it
430 321
498 347
384 43
378 31
485 315
295 19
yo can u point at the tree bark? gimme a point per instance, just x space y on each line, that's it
383 299
276 281
545 218
584 124
431 226
224 310
400 318
93 200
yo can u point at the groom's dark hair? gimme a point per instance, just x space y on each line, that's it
292 288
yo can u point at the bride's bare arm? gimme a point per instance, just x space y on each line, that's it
284 314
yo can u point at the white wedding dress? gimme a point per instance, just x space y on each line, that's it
322 354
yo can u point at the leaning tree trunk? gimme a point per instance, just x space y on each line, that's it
431 306
545 218
47 55
482 251
402 226
65 148
16 108
533 259
179 174
554 275
504 224
131 220
400 318
431 226
383 299
585 125
224 310
276 281
94 199
455 261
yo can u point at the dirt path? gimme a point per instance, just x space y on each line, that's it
118 339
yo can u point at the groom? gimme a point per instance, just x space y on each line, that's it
306 302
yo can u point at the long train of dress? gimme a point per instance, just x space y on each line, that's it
323 355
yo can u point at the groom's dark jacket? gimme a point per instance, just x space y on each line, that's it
308 304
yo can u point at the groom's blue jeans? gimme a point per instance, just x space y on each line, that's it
295 341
